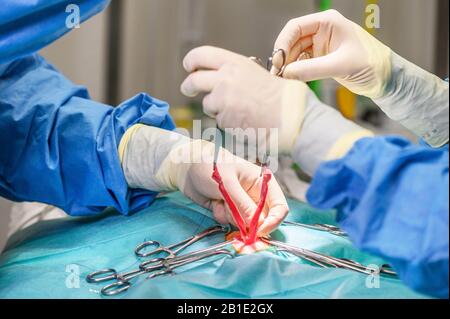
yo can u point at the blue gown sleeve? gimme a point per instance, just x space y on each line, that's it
392 197
28 26
59 147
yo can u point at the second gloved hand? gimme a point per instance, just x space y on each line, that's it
161 160
338 48
241 94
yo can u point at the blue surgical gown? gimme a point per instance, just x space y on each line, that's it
28 26
392 197
58 146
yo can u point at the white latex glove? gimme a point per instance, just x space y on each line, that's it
241 94
342 50
161 160
338 48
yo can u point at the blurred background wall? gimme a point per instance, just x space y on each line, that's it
152 36
138 45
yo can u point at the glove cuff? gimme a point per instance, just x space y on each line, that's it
292 114
126 139
175 167
372 82
143 150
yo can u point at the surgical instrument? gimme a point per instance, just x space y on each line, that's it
266 175
110 274
248 235
169 265
283 65
240 223
153 268
172 250
303 56
324 260
269 62
196 253
384 269
320 227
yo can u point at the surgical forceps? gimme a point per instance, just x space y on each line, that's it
162 267
320 227
328 261
248 235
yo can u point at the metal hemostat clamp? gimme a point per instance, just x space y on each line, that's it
167 260
329 261
320 227
176 248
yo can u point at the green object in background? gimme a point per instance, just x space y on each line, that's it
325 4
316 86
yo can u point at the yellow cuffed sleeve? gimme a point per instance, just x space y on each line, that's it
126 138
345 143
292 114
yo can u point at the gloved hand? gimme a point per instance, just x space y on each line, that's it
241 94
161 160
238 98
340 49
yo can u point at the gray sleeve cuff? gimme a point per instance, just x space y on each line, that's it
418 100
323 126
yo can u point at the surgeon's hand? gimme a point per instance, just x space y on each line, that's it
338 48
160 160
242 180
242 94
